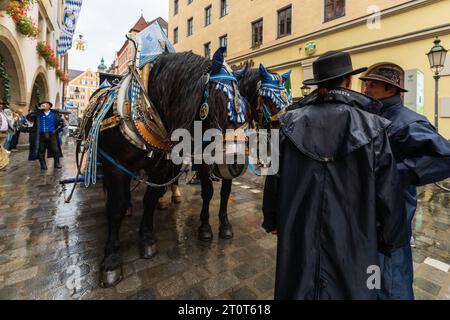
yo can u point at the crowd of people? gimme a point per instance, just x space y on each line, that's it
46 128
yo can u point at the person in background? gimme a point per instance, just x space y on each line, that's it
422 157
19 123
6 128
44 135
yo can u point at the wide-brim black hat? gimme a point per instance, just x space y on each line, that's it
46 102
332 65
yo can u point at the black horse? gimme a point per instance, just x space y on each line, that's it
266 97
178 85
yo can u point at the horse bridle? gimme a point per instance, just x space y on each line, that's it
264 114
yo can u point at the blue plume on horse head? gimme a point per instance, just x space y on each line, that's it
239 74
218 60
286 76
265 75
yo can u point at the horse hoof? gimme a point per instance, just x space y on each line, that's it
176 199
226 233
109 279
148 251
205 235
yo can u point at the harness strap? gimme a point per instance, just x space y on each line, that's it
138 178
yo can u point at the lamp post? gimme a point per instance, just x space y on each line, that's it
305 91
437 56
77 96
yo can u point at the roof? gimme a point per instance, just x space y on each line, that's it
74 73
140 25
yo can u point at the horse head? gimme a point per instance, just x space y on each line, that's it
236 118
266 94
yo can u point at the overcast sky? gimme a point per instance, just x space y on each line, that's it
104 24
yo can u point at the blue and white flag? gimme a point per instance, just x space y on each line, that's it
152 42
71 12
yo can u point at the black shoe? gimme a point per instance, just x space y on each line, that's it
57 164
43 165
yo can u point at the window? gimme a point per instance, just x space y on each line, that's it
334 9
285 22
223 42
223 8
175 35
190 27
208 13
175 7
257 33
207 49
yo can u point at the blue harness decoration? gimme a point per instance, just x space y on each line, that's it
278 95
227 83
92 139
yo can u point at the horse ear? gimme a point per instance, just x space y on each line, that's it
286 76
265 75
241 73
218 60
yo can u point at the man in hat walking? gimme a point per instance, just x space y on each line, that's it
44 135
422 156
333 203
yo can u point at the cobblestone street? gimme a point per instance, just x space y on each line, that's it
44 242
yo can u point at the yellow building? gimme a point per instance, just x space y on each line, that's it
291 34
81 86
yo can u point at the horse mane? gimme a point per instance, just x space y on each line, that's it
177 84
248 86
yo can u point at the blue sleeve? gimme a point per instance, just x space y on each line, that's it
391 218
425 154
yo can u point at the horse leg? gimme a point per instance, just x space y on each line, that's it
225 229
130 204
117 186
205 231
147 244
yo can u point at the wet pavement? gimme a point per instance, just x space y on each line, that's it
52 250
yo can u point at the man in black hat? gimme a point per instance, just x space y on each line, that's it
333 203
47 124
422 156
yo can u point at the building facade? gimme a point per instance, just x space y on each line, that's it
80 89
126 53
30 79
291 34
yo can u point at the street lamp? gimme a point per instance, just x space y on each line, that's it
77 96
437 56
305 91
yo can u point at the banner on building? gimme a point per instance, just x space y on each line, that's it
71 12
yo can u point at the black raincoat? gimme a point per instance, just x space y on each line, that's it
335 200
34 134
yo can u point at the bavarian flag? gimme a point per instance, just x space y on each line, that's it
71 11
